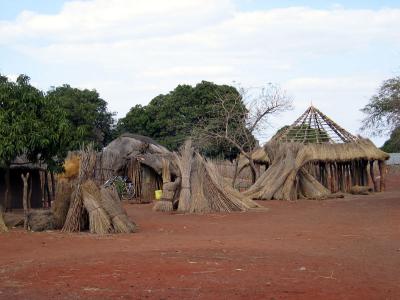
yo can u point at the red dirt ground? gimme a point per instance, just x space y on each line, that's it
334 249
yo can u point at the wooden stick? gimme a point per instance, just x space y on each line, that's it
25 199
371 172
382 169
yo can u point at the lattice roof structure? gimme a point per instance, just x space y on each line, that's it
315 127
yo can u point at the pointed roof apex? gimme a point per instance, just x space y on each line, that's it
315 127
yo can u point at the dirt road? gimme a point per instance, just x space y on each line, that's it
334 249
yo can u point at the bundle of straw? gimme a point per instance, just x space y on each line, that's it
112 205
185 165
3 227
163 205
99 221
61 202
87 165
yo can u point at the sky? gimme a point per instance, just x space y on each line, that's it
333 54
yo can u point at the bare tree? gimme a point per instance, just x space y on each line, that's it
239 119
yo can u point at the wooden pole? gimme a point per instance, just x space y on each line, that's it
46 186
382 170
7 193
30 192
236 172
25 199
371 173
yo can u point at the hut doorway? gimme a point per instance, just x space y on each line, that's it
144 179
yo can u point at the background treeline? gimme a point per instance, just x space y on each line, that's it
46 125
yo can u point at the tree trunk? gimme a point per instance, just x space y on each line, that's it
53 185
25 199
7 193
30 192
46 186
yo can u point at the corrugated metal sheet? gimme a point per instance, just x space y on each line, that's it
394 159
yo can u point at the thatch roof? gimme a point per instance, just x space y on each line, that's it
315 127
129 146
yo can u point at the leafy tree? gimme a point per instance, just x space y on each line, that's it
171 118
30 125
383 109
236 124
90 120
393 144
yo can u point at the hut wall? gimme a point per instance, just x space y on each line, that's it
16 188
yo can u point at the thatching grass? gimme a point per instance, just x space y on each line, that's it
99 221
73 222
112 205
211 193
184 162
163 205
61 202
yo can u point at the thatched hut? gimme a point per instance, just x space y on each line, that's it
189 183
40 185
314 158
140 159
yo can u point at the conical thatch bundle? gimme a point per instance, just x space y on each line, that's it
112 205
211 193
314 158
99 220
61 202
73 222
184 162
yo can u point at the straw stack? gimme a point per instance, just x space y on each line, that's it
112 205
73 222
99 221
61 202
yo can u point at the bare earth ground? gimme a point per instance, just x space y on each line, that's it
334 249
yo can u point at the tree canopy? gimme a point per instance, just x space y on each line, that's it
90 120
383 109
392 145
171 118
383 114
30 124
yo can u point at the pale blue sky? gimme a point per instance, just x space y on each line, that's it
333 53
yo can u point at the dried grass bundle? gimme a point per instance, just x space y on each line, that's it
61 202
87 165
99 221
210 193
162 205
184 161
112 205
360 190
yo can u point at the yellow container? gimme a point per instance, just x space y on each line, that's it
158 194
